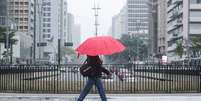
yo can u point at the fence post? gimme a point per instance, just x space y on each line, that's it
199 74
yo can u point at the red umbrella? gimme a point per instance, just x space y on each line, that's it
100 45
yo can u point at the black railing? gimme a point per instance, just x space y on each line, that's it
126 78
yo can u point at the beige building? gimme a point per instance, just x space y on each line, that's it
22 12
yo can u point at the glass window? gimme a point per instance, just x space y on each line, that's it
195 14
195 1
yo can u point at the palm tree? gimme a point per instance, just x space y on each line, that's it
12 41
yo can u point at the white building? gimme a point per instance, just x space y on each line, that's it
76 37
71 23
138 14
119 24
184 22
54 27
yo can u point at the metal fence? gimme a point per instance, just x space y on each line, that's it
126 78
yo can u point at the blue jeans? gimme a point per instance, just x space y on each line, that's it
91 81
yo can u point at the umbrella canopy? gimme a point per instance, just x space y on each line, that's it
100 45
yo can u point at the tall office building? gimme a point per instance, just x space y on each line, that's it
3 12
119 23
184 22
152 36
137 13
71 23
76 36
54 26
162 16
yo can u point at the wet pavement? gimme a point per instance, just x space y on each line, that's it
111 97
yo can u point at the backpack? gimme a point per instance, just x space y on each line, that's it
85 69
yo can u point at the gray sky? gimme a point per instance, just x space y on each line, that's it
84 15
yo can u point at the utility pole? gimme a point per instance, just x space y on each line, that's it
96 9
7 32
34 36
61 31
188 34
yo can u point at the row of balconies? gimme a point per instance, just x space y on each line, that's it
177 23
174 4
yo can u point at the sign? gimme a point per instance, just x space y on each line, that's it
42 44
164 59
68 44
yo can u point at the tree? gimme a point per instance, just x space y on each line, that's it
3 36
69 52
179 49
11 39
196 43
134 47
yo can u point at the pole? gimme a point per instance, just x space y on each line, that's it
96 8
34 36
11 53
59 53
188 34
7 33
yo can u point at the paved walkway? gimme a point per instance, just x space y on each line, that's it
111 97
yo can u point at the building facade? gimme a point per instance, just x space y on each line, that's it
119 22
137 13
53 18
22 13
183 23
71 24
76 37
152 32
162 23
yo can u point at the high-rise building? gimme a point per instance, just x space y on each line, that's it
152 36
22 11
183 23
3 12
119 24
138 14
76 36
54 27
162 16
71 23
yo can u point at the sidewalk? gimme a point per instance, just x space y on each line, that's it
92 97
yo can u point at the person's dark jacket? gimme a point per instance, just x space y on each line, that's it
96 64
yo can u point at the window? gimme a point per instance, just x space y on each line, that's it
26 11
48 30
16 3
46 4
44 30
25 27
25 19
26 3
46 35
46 19
195 1
195 14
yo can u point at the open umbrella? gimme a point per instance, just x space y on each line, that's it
100 45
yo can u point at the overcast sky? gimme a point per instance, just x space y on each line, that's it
84 15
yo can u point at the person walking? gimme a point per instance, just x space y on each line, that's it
94 78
